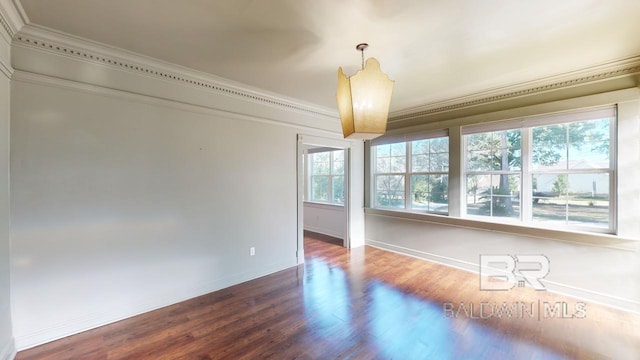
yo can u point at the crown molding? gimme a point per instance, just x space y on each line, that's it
37 79
23 18
12 17
5 25
63 44
49 40
5 69
7 30
606 71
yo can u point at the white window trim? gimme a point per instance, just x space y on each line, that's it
331 175
546 233
628 228
407 171
526 196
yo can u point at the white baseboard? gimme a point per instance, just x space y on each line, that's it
458 264
562 289
323 232
91 321
8 351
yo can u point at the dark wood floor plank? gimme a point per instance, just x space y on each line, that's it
363 303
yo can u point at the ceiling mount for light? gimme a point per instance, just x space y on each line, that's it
362 47
364 99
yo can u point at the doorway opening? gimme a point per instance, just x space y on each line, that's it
325 180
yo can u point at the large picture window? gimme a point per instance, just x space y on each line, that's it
326 179
554 171
412 175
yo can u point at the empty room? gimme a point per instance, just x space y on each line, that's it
295 179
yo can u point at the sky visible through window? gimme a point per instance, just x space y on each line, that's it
570 173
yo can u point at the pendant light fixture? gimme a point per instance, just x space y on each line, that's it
364 99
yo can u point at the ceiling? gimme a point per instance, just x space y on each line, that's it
435 50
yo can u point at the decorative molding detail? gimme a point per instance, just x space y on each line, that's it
11 16
6 26
85 50
5 69
21 15
625 67
5 45
31 78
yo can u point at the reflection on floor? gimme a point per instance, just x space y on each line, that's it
363 303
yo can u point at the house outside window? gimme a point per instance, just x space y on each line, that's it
553 171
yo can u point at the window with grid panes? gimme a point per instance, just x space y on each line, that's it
555 170
326 179
412 175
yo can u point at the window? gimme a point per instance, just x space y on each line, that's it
551 171
391 168
493 173
412 175
571 172
326 179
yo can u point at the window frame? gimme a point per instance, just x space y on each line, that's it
526 172
408 172
625 101
465 173
331 177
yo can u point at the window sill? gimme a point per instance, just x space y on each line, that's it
578 237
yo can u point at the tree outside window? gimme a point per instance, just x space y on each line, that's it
412 175
570 171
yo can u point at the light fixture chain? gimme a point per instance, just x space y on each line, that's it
362 47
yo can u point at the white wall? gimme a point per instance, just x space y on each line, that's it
357 195
325 219
120 206
599 274
7 349
6 336
123 201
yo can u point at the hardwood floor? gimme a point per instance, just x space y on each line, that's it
323 237
360 304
